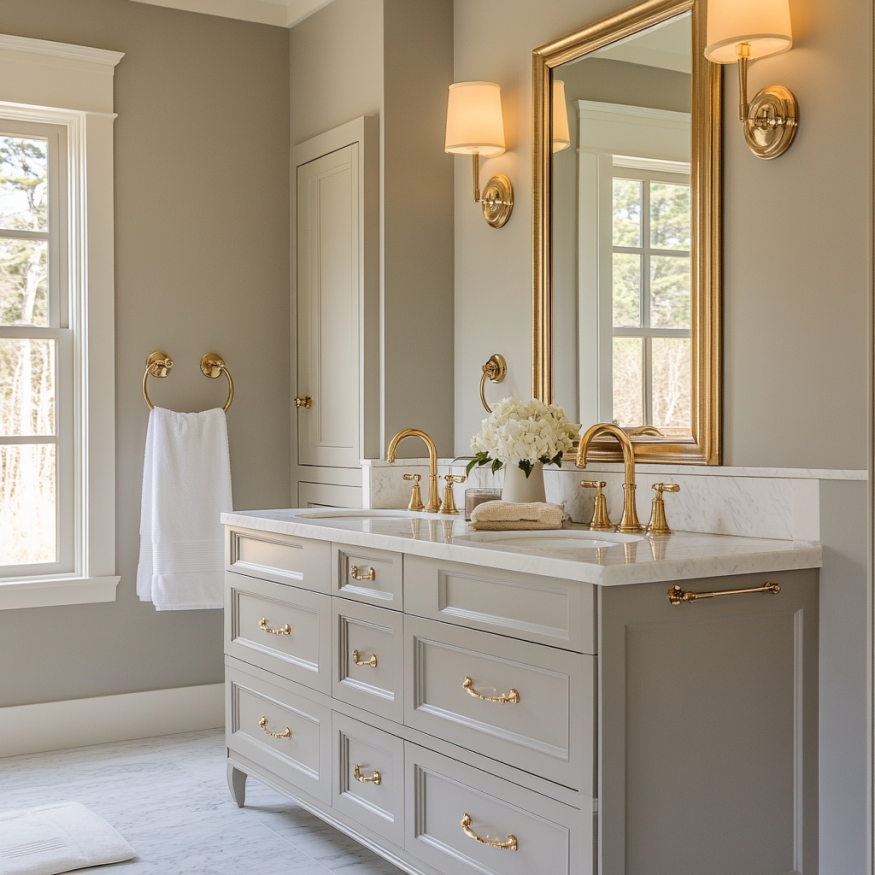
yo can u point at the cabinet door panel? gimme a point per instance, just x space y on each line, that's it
329 318
709 729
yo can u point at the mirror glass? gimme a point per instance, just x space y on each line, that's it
628 284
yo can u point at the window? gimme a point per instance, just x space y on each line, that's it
650 295
57 419
36 482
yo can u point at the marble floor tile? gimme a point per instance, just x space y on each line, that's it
168 797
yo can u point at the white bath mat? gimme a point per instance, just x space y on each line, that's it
57 838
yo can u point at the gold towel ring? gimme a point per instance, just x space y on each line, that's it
212 365
495 371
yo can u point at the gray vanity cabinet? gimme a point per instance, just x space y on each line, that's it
708 728
463 719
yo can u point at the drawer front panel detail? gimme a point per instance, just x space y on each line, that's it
369 777
555 612
281 558
523 704
369 654
280 628
462 821
372 576
280 731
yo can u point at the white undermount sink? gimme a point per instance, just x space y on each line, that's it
355 514
558 539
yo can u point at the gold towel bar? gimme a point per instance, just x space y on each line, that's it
212 365
677 595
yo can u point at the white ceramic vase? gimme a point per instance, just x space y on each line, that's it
519 488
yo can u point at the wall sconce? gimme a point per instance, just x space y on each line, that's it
740 31
475 127
561 133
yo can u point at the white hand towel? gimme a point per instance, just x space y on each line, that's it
186 486
57 838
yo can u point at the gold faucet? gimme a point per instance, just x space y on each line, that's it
434 504
629 524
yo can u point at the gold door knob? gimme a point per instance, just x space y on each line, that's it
359 574
357 659
376 778
306 401
510 845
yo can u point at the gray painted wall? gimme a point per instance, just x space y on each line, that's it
201 203
394 59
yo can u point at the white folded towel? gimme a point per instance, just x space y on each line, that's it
186 486
57 838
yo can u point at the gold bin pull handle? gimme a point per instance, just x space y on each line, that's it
357 659
359 574
376 778
510 845
512 697
287 733
265 627
677 595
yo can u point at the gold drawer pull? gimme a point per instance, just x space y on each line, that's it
510 845
305 402
676 595
265 626
263 724
513 696
374 779
370 574
356 658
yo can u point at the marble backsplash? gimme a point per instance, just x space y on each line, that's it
753 502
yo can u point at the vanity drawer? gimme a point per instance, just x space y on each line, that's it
461 686
282 558
365 575
551 838
279 628
281 731
376 797
369 658
545 610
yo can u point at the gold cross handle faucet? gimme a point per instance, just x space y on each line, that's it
658 523
434 504
449 505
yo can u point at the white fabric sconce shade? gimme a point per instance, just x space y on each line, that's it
740 31
474 120
561 134
763 24
475 127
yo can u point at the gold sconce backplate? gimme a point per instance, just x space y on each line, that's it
772 121
497 201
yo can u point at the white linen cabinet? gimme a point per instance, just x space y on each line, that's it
463 719
335 312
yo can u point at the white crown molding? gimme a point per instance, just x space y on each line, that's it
280 13
64 51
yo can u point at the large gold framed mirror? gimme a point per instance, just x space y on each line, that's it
627 169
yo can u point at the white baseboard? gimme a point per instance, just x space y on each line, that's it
28 729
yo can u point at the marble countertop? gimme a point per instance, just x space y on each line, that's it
680 556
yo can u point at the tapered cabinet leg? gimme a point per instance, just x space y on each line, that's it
237 785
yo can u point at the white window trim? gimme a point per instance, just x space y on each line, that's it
55 83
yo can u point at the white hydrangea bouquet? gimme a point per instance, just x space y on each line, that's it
521 434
